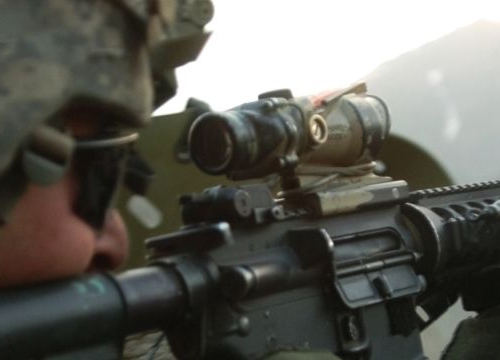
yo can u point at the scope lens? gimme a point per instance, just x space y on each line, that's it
211 144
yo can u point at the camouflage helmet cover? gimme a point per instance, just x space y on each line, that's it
114 54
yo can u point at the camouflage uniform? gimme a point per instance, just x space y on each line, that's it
147 346
154 346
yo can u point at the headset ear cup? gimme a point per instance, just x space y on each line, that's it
405 160
41 170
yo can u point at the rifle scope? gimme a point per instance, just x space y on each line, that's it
273 134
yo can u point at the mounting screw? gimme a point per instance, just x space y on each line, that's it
272 342
243 326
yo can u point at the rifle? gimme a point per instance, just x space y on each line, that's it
338 259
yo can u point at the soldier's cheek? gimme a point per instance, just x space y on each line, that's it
43 239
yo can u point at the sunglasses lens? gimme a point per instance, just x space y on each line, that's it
99 172
101 165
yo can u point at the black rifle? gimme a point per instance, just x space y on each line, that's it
338 260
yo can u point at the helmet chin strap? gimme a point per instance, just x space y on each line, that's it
43 160
47 155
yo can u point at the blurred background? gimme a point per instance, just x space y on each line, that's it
435 63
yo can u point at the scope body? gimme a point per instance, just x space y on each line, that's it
273 134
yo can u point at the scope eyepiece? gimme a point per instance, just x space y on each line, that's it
221 142
252 140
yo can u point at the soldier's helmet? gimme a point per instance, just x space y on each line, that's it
112 57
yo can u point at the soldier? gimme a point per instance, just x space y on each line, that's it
77 78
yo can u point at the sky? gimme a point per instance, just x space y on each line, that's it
311 45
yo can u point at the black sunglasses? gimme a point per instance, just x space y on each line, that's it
101 165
